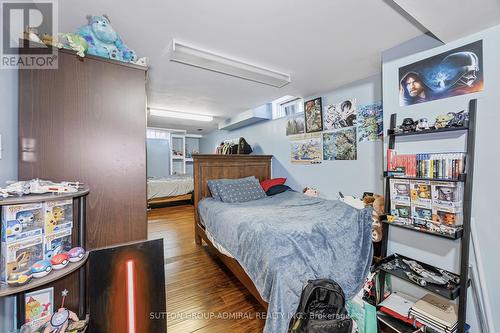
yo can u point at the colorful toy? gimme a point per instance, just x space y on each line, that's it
56 243
76 254
400 190
75 42
19 255
459 119
443 120
39 186
14 228
59 261
103 41
51 41
19 278
58 215
422 124
447 194
408 125
41 268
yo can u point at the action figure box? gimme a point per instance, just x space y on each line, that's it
58 216
420 191
400 190
447 194
421 213
57 242
401 212
20 255
21 221
447 216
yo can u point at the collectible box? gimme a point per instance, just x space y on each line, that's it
421 213
420 191
20 255
400 190
401 211
447 194
58 215
57 242
21 221
447 216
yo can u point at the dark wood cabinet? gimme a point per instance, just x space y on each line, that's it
86 121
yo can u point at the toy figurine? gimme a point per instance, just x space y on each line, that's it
41 269
26 218
59 261
443 121
446 193
311 192
39 186
75 42
459 119
422 124
19 278
448 218
76 254
408 125
402 189
423 191
14 228
51 41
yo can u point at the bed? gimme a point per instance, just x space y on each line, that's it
170 189
275 244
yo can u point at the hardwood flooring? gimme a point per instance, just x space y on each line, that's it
202 295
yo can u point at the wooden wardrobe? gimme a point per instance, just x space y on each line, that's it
86 121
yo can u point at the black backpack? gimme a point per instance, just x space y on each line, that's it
321 309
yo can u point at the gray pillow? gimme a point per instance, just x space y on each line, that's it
212 186
213 183
240 190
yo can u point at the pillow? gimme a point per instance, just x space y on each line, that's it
240 190
277 189
212 185
268 183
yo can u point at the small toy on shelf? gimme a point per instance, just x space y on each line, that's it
51 41
19 278
18 256
58 215
21 221
447 194
443 121
75 42
41 269
59 261
408 125
459 118
31 34
422 124
39 186
56 243
76 254
400 190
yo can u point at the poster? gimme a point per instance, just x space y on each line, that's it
306 149
370 122
452 73
39 306
340 115
295 125
340 145
313 115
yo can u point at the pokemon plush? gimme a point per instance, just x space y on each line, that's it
377 202
103 41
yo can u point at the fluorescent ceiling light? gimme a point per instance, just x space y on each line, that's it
189 55
179 115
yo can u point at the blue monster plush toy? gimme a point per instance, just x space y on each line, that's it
103 40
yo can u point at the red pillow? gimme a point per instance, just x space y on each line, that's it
268 183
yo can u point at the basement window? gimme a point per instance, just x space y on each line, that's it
287 106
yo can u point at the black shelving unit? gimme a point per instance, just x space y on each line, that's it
462 235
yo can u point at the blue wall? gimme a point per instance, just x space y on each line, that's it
8 125
330 177
485 222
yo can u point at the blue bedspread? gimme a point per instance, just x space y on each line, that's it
285 240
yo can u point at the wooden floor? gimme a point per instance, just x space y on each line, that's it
202 295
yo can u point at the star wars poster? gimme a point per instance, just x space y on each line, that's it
313 115
295 125
370 122
340 145
307 150
340 115
452 73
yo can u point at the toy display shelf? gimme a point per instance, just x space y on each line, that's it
461 178
33 198
443 291
429 131
457 235
6 290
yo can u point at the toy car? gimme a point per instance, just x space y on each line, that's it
20 278
76 254
41 269
59 261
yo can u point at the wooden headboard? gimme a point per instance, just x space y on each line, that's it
211 166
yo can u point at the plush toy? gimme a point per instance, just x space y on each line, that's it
75 42
377 202
31 34
103 40
51 41
311 192
443 120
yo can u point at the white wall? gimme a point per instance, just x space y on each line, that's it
158 157
8 125
330 177
487 160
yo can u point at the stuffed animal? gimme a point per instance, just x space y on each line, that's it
377 202
311 192
103 40
75 42
31 34
443 120
51 41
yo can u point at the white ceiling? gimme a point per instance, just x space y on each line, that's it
451 19
323 44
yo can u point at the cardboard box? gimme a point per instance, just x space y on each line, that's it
20 255
420 191
58 215
21 221
401 211
400 190
421 213
447 194
57 242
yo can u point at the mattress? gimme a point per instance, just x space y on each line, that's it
170 186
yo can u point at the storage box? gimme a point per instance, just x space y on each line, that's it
20 255
57 242
58 215
420 191
401 211
21 221
400 190
447 194
421 213
447 216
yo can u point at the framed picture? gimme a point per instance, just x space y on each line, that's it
313 115
340 145
39 306
295 124
340 115
452 73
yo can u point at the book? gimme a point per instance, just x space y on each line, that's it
436 310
